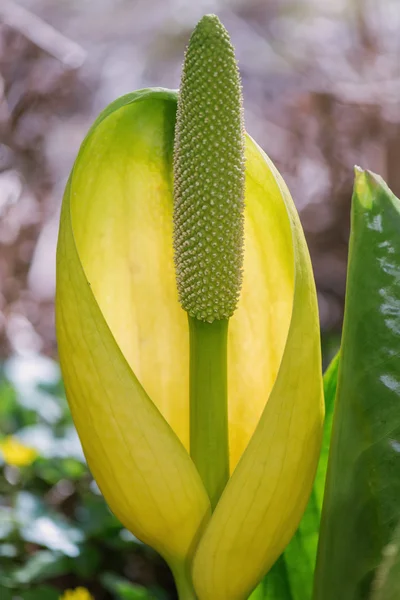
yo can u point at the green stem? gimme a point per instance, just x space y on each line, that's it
184 585
208 404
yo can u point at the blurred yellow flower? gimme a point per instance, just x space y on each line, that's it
79 593
15 453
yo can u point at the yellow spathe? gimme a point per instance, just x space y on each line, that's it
123 342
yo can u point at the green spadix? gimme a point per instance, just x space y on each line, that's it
209 176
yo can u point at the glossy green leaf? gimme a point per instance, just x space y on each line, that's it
387 581
361 505
291 577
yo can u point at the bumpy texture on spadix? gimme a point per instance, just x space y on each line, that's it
209 176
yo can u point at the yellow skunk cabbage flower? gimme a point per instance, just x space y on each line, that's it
124 350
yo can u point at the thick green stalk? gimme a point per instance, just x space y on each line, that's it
184 584
209 446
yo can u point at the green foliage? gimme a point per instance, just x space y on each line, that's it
387 581
56 531
126 590
361 505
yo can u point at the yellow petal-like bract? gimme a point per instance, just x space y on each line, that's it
141 467
123 342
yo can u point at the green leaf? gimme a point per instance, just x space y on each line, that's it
275 585
6 523
5 594
30 377
41 565
44 592
49 445
361 506
8 550
96 520
8 406
41 526
387 582
124 589
291 578
52 470
87 563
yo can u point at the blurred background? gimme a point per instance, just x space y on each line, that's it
321 81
